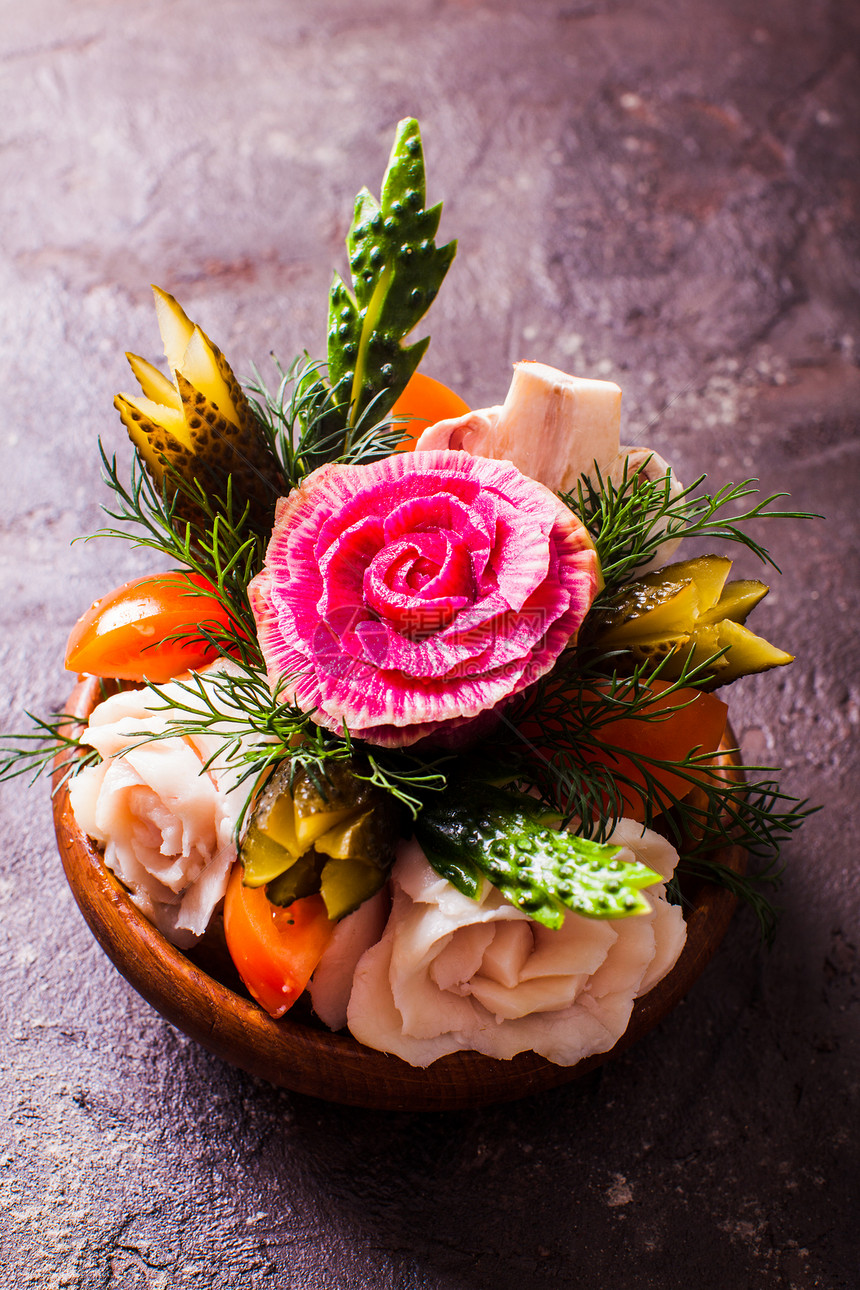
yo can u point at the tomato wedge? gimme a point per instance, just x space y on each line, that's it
426 401
127 633
275 950
700 724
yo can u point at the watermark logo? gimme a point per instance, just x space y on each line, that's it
355 633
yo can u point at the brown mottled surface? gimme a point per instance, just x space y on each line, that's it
665 194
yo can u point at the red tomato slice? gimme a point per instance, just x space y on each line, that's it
275 950
426 401
700 724
126 633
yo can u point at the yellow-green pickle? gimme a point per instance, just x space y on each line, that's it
687 615
331 832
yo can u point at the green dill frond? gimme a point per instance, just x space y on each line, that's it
40 750
256 729
371 439
628 522
307 428
225 553
563 732
406 777
752 887
304 425
580 772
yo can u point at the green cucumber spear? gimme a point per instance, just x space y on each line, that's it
474 831
396 271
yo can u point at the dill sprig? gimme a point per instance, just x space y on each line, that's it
307 428
407 776
752 887
301 421
630 521
225 553
562 731
34 752
257 728
565 728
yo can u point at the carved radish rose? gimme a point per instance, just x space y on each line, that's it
408 596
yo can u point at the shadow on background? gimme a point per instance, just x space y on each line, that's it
632 1170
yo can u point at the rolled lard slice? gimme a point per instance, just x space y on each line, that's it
552 426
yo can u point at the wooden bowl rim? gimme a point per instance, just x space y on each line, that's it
336 1067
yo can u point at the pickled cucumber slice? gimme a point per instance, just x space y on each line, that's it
154 428
300 880
311 827
367 837
700 646
175 326
742 653
263 858
154 383
271 846
201 424
654 648
747 653
274 815
348 839
304 824
737 601
200 369
668 602
336 790
687 616
346 884
322 805
280 825
709 572
670 609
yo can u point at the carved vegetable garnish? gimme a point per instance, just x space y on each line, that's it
199 429
332 832
686 616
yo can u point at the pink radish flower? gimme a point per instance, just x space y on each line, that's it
407 597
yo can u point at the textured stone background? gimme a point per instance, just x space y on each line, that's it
661 193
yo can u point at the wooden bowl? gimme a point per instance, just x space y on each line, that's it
299 1056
